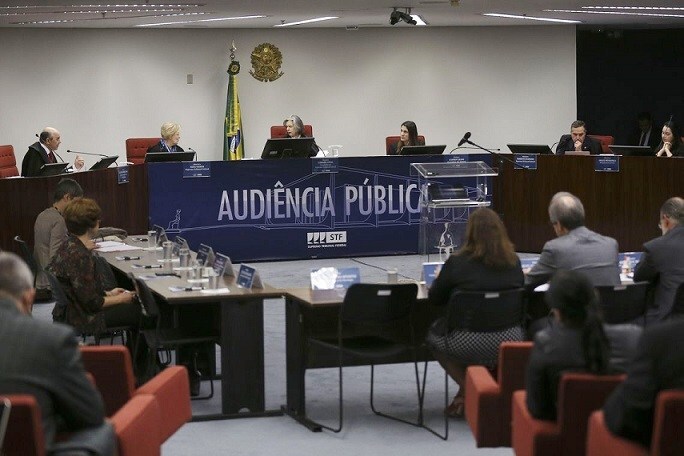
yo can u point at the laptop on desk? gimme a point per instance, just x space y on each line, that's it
530 149
632 151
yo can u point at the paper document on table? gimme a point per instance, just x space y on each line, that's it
113 246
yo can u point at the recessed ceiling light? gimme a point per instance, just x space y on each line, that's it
307 21
419 20
200 20
532 18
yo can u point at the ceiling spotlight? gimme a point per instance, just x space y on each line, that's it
396 16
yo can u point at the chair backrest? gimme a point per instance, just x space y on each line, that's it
605 141
112 369
623 303
377 304
669 415
27 255
485 311
8 162
579 394
136 148
392 140
279 131
513 359
146 298
59 312
24 435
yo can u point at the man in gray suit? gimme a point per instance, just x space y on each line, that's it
663 261
50 231
576 248
42 359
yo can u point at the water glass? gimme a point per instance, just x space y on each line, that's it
184 257
152 239
392 276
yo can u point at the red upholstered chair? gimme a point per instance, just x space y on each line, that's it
136 426
578 396
8 162
136 148
666 441
279 131
488 402
391 140
605 142
111 367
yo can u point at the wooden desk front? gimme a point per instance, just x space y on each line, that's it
624 205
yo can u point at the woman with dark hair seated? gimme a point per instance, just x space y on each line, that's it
577 341
91 308
487 262
671 144
295 129
408 136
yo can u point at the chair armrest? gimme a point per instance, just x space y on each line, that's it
530 436
483 406
600 441
171 389
137 427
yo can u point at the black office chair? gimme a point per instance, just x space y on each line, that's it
27 256
624 303
480 312
678 306
59 315
166 339
374 325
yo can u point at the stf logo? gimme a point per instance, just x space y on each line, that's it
326 237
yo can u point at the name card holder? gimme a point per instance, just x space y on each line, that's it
223 265
334 278
205 255
248 277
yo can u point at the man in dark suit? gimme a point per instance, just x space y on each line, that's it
576 247
42 359
663 261
43 152
658 365
578 141
646 134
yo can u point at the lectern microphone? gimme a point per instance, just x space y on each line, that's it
464 140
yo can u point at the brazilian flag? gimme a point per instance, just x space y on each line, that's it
233 147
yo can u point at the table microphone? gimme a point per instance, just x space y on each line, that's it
86 153
466 139
193 150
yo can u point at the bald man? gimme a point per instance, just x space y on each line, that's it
43 151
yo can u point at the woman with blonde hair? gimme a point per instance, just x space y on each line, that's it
170 135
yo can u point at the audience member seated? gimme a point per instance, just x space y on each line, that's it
486 262
91 309
41 359
43 152
577 341
646 134
50 231
671 144
578 141
663 261
408 136
295 129
170 135
576 247
658 365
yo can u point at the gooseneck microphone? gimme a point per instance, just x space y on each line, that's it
86 153
464 140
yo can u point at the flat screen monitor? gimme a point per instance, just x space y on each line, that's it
288 148
52 169
422 150
633 151
530 149
153 157
104 162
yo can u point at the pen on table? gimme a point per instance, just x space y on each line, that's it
193 288
147 266
127 258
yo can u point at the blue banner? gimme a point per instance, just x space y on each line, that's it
286 209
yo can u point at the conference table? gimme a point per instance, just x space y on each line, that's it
314 313
240 328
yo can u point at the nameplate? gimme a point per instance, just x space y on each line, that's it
161 234
458 158
527 161
324 165
223 265
334 278
205 255
122 174
430 272
196 169
248 277
179 243
607 163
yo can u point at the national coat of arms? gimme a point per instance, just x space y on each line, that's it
266 62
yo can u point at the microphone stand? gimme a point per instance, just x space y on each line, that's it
497 155
91 154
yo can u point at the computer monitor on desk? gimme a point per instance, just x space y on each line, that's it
104 162
152 157
422 150
52 169
633 151
288 148
541 149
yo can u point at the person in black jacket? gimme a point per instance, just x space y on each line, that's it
671 144
170 135
43 152
578 141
